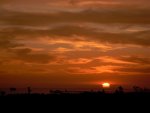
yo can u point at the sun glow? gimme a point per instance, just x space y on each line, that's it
106 85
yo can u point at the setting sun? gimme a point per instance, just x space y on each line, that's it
106 85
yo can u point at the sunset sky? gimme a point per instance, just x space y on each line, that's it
74 43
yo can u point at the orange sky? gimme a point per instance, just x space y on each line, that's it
74 43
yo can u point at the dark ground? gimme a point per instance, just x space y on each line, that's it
93 101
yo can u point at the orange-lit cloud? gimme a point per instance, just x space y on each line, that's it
54 43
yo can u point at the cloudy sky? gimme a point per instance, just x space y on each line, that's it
74 43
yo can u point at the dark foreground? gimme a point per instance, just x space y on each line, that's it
86 100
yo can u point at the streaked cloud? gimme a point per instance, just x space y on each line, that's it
74 41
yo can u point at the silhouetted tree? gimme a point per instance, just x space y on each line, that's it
12 90
50 91
137 89
66 91
92 91
120 90
29 90
103 91
55 92
146 90
2 93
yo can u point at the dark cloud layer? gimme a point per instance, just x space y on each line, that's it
96 16
27 55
